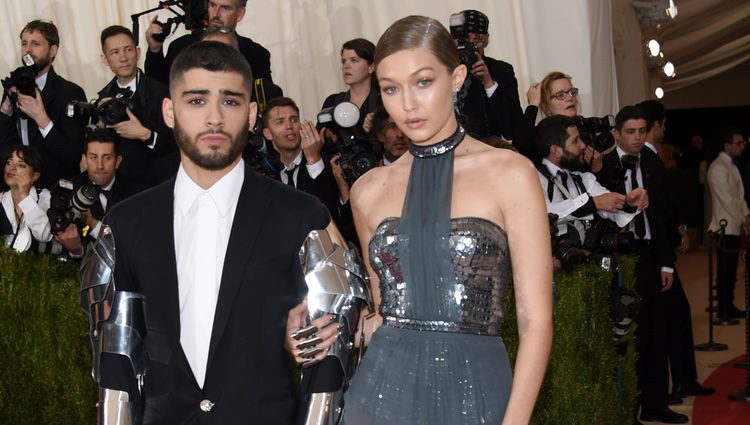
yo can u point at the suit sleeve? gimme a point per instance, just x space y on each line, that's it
156 66
523 139
504 100
64 142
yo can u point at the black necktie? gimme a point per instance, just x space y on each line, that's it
564 178
640 221
290 176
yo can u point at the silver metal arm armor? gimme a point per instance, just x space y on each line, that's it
337 285
116 326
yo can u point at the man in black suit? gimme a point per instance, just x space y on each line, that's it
680 349
624 169
41 120
146 143
215 253
221 14
103 159
491 106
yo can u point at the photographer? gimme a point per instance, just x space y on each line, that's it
33 113
491 105
145 140
221 13
574 195
102 158
24 220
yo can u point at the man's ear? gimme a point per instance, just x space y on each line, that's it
104 60
616 133
267 134
53 52
118 161
167 111
253 115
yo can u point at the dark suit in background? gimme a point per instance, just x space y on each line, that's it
651 330
249 375
143 167
61 149
157 64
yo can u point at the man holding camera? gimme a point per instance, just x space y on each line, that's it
491 104
626 168
102 158
145 141
221 14
34 112
573 195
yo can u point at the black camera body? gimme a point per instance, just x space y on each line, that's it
23 79
605 237
596 131
67 204
356 156
110 112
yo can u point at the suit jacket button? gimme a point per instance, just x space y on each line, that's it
206 405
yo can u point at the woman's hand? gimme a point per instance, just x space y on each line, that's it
309 343
534 94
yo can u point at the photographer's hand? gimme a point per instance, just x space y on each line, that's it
666 281
7 106
132 128
341 182
367 124
610 201
153 29
312 142
638 198
71 240
34 108
480 70
534 94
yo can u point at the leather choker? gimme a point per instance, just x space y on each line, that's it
439 148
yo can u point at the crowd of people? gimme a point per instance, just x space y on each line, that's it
420 152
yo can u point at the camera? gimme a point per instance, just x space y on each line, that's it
192 13
606 238
23 79
567 247
596 131
110 112
467 51
67 205
356 156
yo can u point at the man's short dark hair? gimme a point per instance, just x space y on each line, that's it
653 110
211 56
114 30
225 32
727 134
552 131
46 28
101 135
379 118
278 102
629 112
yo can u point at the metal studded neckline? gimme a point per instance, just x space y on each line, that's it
439 148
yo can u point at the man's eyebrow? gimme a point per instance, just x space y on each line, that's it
194 91
228 92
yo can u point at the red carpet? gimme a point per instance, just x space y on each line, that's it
718 409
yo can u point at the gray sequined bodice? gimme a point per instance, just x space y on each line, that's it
479 254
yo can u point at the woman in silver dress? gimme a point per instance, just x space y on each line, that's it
441 229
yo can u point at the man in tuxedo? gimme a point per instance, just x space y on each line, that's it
728 201
680 350
102 158
221 14
41 120
491 105
214 255
299 146
146 143
624 169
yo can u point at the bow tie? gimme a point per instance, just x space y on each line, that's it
629 162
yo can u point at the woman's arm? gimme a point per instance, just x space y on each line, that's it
35 214
525 218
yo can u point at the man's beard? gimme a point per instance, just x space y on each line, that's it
572 162
214 159
42 62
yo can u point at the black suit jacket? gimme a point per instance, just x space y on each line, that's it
672 218
143 167
612 176
157 65
61 149
249 375
495 115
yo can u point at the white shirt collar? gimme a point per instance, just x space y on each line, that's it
386 161
652 147
225 192
294 164
621 152
41 81
553 169
131 84
112 183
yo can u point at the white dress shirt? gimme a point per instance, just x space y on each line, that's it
34 222
103 200
202 226
313 170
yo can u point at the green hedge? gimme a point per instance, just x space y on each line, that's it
46 355
586 380
45 351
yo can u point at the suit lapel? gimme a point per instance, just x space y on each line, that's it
248 218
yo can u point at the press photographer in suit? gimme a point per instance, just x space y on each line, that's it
145 141
624 169
39 118
215 252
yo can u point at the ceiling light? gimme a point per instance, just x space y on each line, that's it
653 47
669 69
659 92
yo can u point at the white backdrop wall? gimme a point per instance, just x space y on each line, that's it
305 38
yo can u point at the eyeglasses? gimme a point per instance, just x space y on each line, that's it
561 95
